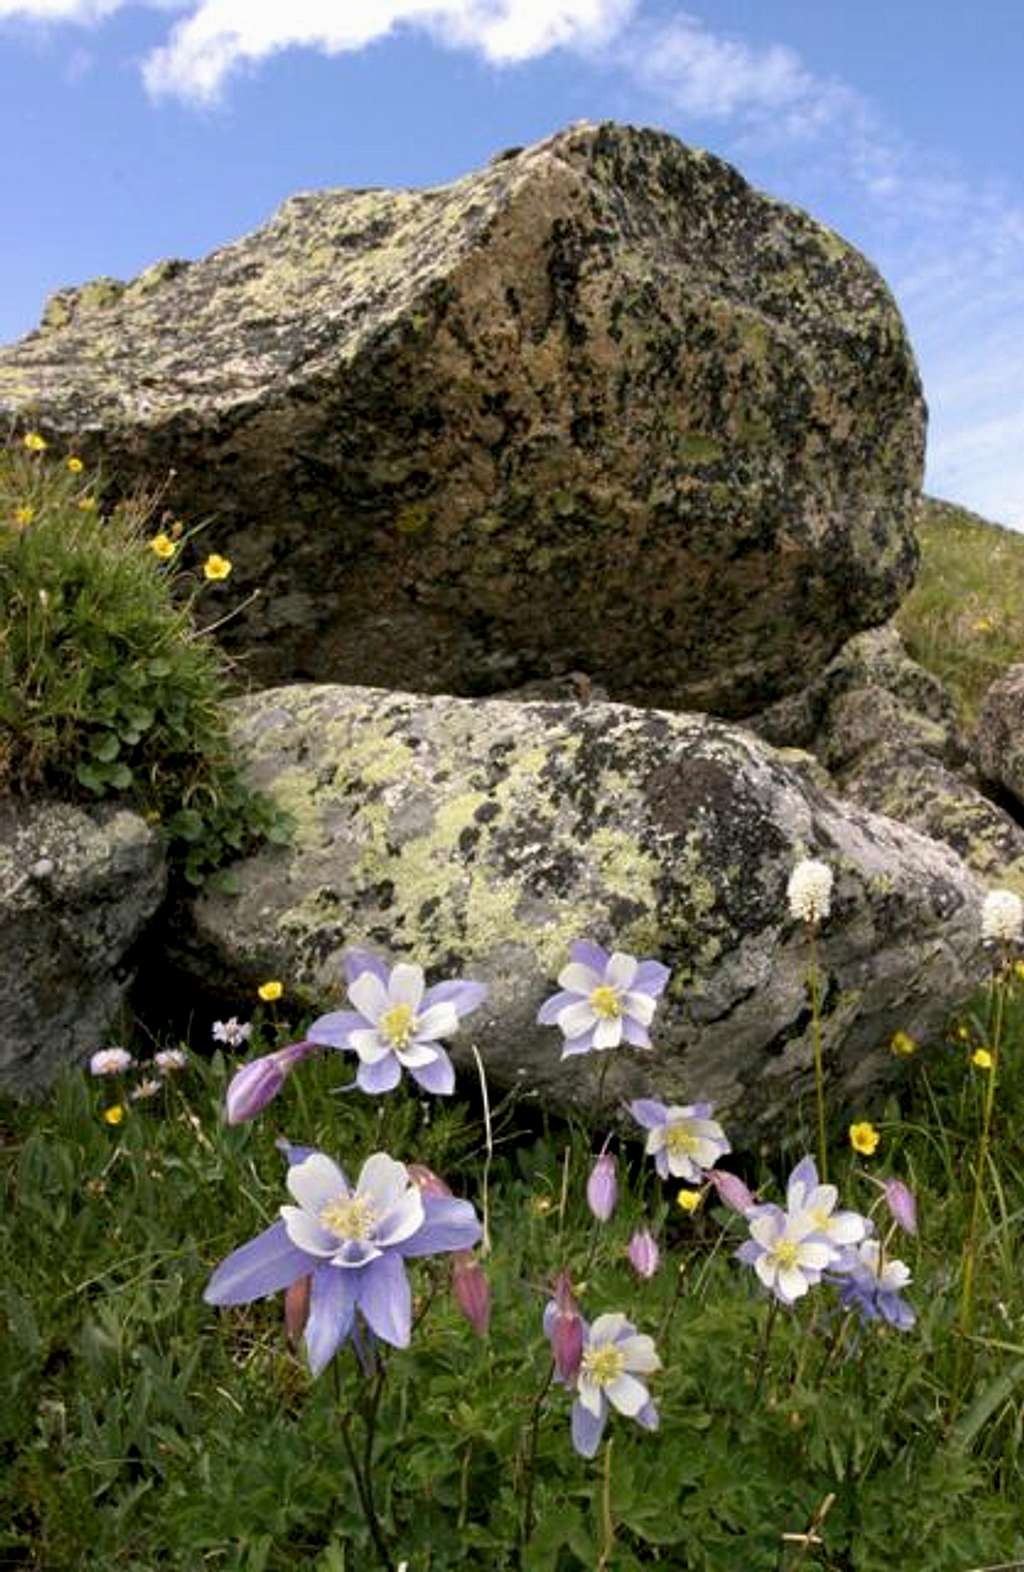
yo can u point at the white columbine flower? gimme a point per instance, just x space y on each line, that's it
110 1061
234 1032
812 1208
1002 916
787 1259
170 1059
810 890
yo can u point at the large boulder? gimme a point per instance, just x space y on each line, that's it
600 406
482 837
999 736
77 888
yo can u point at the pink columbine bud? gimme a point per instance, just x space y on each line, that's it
603 1187
565 1330
731 1190
643 1253
296 1306
426 1181
257 1083
901 1204
472 1291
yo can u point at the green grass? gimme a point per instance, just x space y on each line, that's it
140 1428
964 618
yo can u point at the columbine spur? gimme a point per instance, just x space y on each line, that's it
352 1242
603 999
684 1140
397 1023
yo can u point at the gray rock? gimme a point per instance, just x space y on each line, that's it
998 743
77 887
482 837
600 406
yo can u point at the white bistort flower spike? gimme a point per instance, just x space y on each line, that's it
1002 916
810 890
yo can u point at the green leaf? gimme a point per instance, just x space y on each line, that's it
159 666
106 748
186 825
86 775
120 776
986 1403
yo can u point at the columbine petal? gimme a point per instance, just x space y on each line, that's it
627 1394
316 1182
589 1394
552 1008
356 961
466 996
369 1044
439 1021
816 1256
648 1417
608 1034
791 1284
385 1299
640 1006
609 1327
438 1076
263 1266
621 970
586 953
448 1225
650 1114
578 979
587 1428
307 1233
651 978
415 1056
369 996
403 1219
576 1045
384 1182
383 1076
331 1313
333 1029
635 1034
639 1353
405 985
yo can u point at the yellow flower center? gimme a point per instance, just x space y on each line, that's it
604 1364
784 1254
349 1219
680 1141
820 1218
605 1002
397 1025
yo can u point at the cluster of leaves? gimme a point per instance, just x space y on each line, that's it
107 689
964 617
141 1429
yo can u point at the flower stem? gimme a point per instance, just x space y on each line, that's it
526 1525
971 1242
607 1521
361 1475
762 1358
819 1076
485 1202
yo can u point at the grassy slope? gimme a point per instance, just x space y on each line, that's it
964 618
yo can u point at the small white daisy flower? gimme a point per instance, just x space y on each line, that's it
810 890
1002 916
110 1061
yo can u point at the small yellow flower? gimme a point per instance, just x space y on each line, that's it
114 1115
984 625
269 991
87 504
23 516
864 1138
902 1043
34 442
689 1200
540 1205
162 546
1018 967
981 1059
75 465
177 529
216 567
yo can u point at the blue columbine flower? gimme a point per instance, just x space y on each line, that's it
816 1204
683 1140
614 1354
786 1256
353 1243
603 999
872 1286
398 1023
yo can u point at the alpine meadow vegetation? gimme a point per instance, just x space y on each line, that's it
293 1293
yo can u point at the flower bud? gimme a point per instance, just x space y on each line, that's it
901 1204
426 1181
472 1291
564 1326
643 1253
296 1306
731 1190
257 1083
603 1187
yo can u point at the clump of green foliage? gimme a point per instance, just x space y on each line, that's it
964 618
107 687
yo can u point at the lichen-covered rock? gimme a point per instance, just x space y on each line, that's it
916 788
998 742
871 694
482 837
599 406
77 888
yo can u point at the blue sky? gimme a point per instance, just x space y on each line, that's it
140 129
